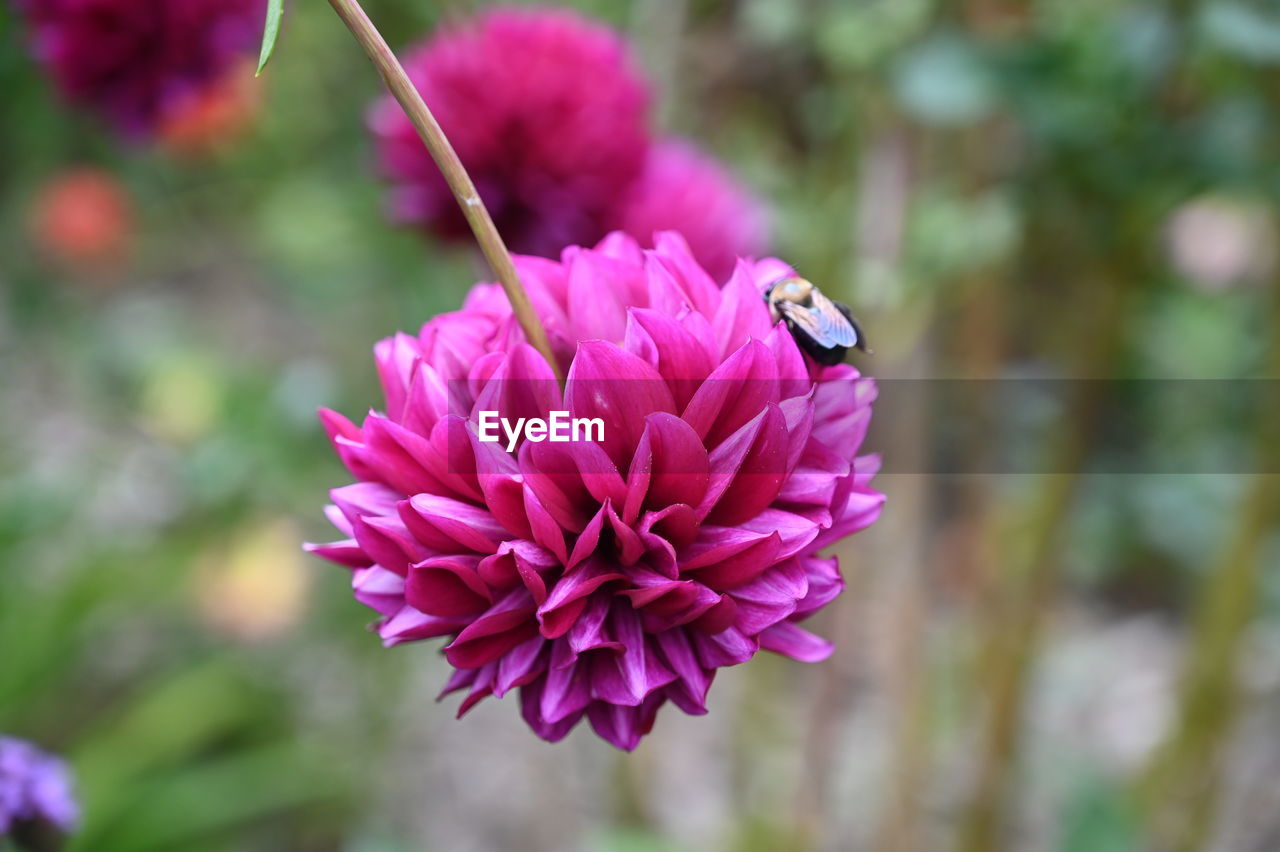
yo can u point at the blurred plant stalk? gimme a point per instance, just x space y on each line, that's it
888 175
1178 790
486 233
976 307
658 26
1031 535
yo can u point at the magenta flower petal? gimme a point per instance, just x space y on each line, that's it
604 579
546 532
727 648
502 488
447 586
793 372
567 689
747 561
749 469
519 666
693 679
573 479
407 624
595 312
502 627
531 709
673 253
771 597
666 344
345 552
379 589
588 632
588 541
795 642
445 524
824 582
735 393
739 318
519 562
365 498
670 466
624 726
481 688
568 599
388 542
396 358
630 676
522 386
609 383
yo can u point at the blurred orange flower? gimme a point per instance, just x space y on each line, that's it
211 120
255 589
84 217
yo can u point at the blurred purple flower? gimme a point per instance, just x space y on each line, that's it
684 190
605 578
138 63
546 111
35 790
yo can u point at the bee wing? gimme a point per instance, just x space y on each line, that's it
806 321
823 322
834 321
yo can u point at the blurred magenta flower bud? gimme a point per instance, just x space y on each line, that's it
550 116
138 63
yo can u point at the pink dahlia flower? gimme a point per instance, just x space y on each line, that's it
136 62
603 578
35 792
546 111
682 189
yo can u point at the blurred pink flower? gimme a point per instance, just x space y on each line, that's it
546 111
1218 241
682 189
605 578
135 62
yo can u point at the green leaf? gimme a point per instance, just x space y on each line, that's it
945 82
275 11
1098 818
1249 33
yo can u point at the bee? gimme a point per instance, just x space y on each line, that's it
823 327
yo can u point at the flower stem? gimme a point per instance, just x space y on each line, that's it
410 100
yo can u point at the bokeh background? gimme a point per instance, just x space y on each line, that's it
1082 654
